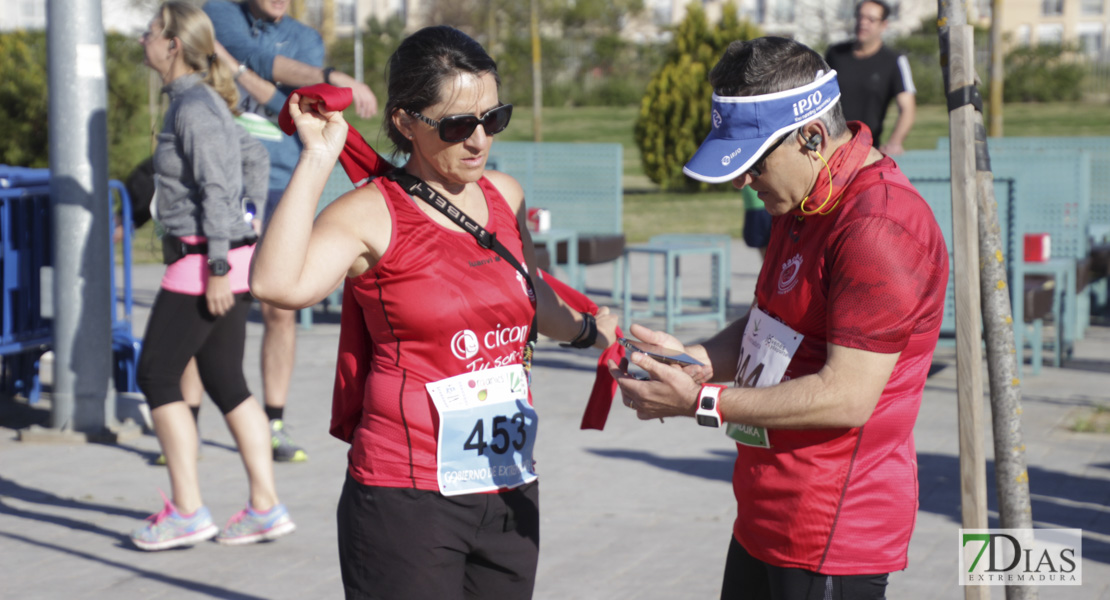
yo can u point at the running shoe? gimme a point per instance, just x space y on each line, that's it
285 449
248 526
170 529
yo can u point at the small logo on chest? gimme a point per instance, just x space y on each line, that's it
788 278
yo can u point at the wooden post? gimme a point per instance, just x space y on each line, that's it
537 76
1011 475
957 59
327 24
998 53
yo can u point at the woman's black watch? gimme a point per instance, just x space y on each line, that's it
218 267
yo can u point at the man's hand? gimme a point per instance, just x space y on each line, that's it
219 296
366 104
700 374
226 58
892 149
671 390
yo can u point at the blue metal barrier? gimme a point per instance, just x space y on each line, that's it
25 248
125 347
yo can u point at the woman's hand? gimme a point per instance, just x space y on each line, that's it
219 296
321 131
606 328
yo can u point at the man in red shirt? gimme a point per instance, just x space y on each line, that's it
827 368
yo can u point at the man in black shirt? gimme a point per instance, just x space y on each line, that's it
871 75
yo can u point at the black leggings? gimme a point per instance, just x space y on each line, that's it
747 577
180 327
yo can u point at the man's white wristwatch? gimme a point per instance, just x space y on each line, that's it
709 410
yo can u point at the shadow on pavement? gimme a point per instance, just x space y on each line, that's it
1059 500
186 584
718 468
13 490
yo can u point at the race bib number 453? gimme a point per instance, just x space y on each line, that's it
487 430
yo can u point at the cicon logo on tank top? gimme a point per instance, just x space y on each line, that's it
508 341
464 344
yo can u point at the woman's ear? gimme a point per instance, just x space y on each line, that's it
403 122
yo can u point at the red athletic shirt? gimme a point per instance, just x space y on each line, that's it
869 275
436 305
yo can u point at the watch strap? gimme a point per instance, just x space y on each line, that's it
709 405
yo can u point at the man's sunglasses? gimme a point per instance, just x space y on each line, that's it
757 167
458 128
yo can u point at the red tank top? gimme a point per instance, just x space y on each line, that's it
436 305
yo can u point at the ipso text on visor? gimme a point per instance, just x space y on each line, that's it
745 126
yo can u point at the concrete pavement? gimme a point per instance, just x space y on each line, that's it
642 510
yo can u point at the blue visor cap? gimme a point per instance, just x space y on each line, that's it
745 126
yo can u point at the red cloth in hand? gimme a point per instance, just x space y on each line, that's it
359 160
605 387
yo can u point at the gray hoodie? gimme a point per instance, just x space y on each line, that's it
205 166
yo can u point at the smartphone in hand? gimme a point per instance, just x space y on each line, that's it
659 353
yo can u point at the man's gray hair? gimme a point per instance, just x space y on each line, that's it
772 64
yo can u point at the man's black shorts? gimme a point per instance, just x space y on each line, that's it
749 578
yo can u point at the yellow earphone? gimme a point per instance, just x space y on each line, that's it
811 145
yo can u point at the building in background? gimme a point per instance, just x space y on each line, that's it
1033 22
123 16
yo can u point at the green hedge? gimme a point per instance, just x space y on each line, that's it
24 104
675 111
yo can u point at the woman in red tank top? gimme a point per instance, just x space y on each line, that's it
441 496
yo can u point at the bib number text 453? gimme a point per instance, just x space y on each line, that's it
505 432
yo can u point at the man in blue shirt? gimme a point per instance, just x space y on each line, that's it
271 55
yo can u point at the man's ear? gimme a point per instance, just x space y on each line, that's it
813 135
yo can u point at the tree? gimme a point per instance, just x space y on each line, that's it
675 110
584 59
23 100
379 40
24 105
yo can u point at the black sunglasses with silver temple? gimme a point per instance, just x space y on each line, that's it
457 128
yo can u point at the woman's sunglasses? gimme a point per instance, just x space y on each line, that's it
458 128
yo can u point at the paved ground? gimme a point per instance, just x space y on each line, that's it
639 511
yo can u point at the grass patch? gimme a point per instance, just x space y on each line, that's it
649 214
1093 419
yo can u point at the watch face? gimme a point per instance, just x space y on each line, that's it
708 421
219 268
